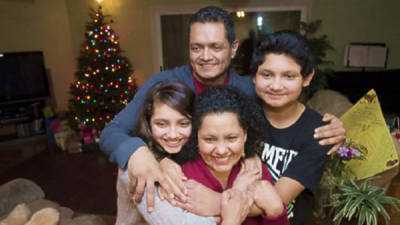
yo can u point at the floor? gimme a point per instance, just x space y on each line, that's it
85 182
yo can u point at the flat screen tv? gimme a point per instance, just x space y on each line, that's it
22 76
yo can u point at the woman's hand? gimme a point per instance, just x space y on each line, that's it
235 206
253 163
201 200
245 178
249 172
333 133
266 197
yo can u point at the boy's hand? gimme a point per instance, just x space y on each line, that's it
333 133
144 171
175 177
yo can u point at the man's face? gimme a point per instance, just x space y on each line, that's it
210 52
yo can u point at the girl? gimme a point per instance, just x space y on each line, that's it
165 124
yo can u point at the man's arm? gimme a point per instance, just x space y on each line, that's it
144 171
116 141
333 133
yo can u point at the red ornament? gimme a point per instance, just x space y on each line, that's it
111 21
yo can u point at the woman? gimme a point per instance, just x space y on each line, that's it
226 130
165 124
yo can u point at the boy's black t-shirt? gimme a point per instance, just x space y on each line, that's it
293 152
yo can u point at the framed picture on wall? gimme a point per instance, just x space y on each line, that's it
366 55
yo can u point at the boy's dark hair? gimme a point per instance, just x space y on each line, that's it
288 43
214 14
222 99
174 94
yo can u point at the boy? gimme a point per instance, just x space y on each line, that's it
282 65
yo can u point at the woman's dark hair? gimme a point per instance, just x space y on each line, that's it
226 99
213 14
174 94
288 43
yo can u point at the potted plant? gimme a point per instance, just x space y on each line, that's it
362 202
320 45
340 191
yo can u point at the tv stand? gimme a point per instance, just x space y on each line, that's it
21 119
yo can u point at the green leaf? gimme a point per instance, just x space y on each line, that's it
384 214
353 182
364 186
374 204
338 217
375 191
368 217
374 219
347 188
348 202
354 206
362 216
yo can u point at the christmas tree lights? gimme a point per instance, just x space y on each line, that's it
103 83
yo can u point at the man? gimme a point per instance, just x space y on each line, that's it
212 46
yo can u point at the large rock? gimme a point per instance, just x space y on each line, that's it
45 212
18 191
42 203
45 216
65 213
329 101
86 220
18 216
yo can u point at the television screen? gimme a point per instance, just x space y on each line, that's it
22 76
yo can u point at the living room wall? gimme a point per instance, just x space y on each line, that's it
133 24
360 21
41 25
57 28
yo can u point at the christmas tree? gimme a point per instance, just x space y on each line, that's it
103 84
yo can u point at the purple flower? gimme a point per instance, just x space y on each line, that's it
343 152
348 155
355 152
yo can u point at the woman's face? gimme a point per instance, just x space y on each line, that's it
169 127
221 142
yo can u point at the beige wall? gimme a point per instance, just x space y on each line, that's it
40 25
133 25
57 28
346 21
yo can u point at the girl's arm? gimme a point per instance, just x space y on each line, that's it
163 213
